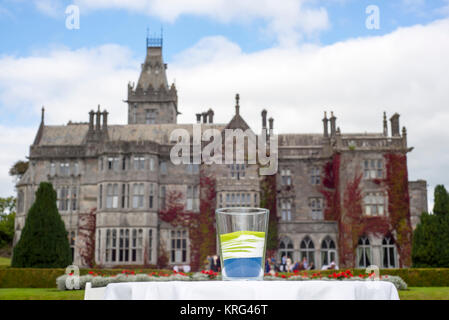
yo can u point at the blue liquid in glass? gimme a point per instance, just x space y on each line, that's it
243 267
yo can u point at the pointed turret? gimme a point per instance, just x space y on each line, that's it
40 131
153 69
152 100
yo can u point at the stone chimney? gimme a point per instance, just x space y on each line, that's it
385 125
271 125
395 125
98 120
237 106
326 125
333 121
264 119
198 118
210 114
105 120
91 120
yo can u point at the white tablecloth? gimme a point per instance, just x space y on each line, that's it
252 290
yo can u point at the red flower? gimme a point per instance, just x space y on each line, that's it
283 276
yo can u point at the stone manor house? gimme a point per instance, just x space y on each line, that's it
124 172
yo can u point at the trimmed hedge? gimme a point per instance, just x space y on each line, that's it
46 278
423 277
414 277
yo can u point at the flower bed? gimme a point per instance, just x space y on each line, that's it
100 280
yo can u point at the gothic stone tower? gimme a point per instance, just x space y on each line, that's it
152 101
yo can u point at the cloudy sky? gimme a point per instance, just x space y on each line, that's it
296 58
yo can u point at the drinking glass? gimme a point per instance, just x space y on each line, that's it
242 235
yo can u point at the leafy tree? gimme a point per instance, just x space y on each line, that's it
441 205
7 215
19 168
430 242
43 242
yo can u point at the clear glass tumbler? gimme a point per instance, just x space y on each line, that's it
242 234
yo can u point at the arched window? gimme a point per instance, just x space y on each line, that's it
388 252
328 251
307 250
363 252
286 248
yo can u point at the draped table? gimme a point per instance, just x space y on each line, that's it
252 290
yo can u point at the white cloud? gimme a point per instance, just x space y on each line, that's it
68 83
289 21
15 142
358 79
444 10
52 8
403 72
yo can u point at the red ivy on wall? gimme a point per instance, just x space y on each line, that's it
399 205
201 225
330 188
203 234
351 221
86 235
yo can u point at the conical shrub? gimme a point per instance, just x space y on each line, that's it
44 242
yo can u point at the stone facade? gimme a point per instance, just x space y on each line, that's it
124 173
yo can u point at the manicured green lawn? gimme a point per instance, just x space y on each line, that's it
414 293
425 293
5 261
40 294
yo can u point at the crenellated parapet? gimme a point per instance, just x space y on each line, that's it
152 94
